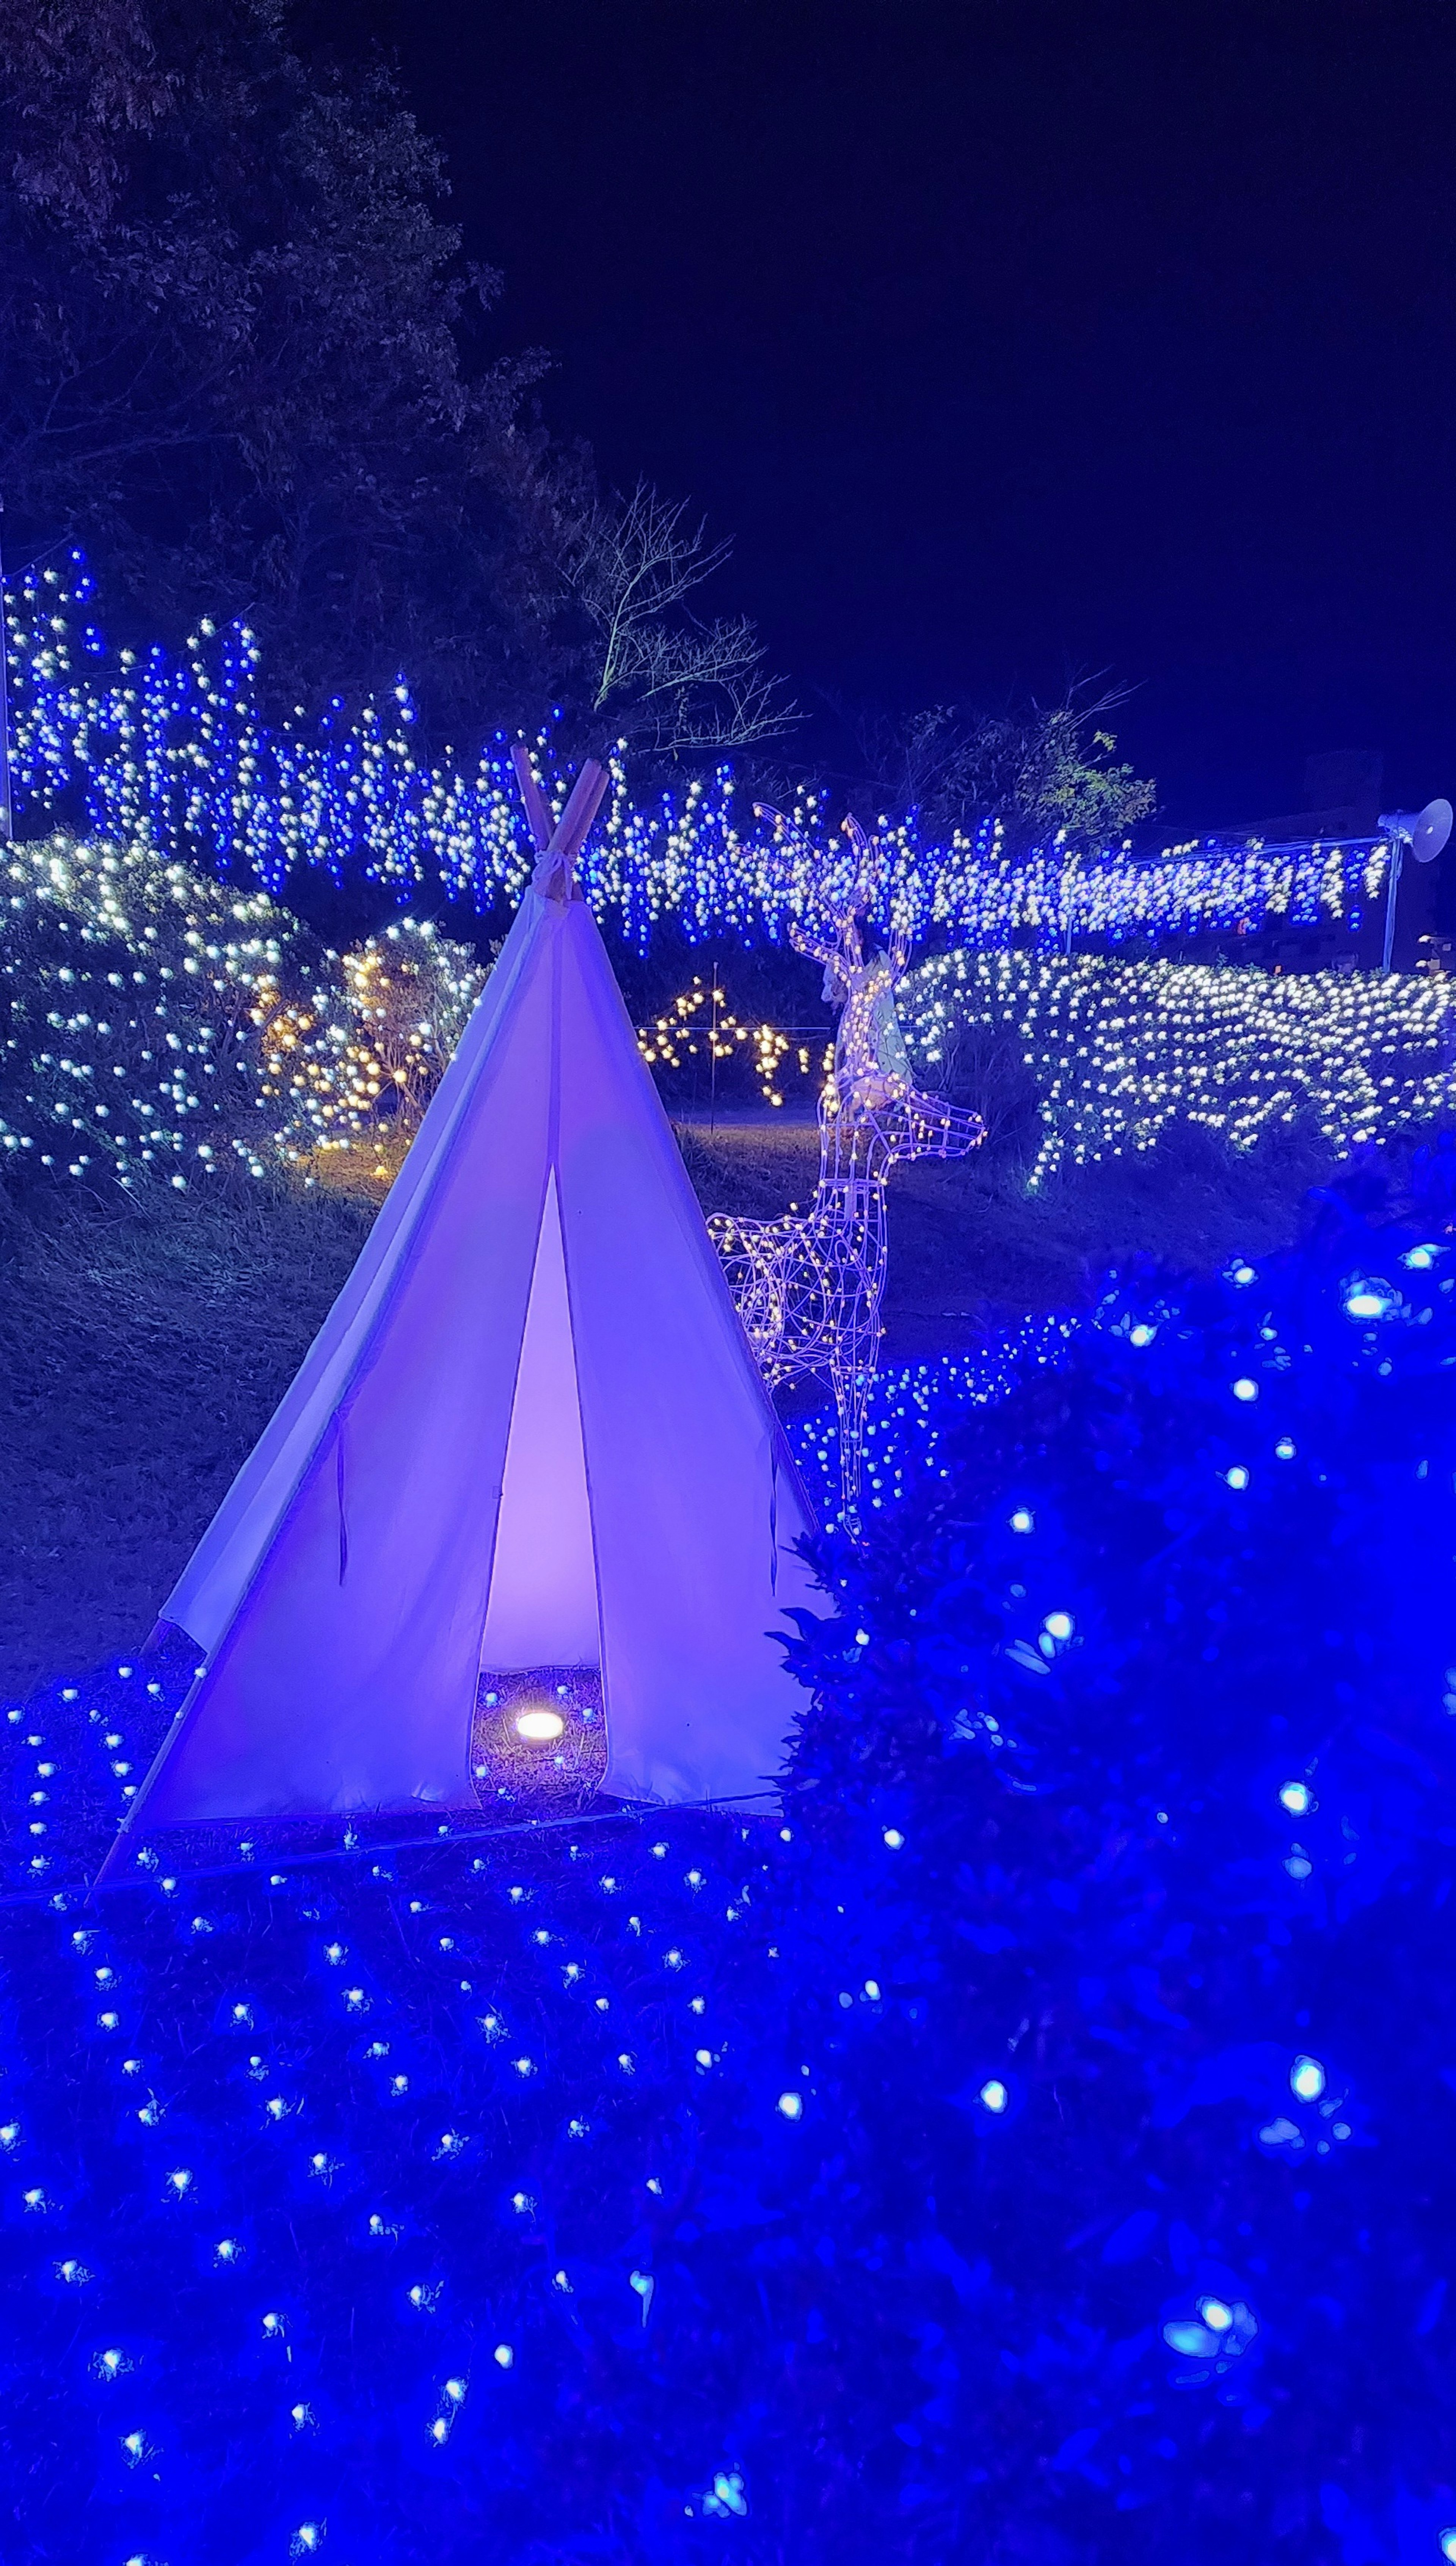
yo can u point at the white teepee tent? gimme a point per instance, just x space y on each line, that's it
531 1433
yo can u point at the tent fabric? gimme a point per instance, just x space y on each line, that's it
543 1608
537 1352
206 1595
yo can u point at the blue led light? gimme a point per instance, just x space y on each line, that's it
174 754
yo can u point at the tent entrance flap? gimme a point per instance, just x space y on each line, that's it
542 1603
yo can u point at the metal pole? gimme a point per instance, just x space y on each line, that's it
1392 887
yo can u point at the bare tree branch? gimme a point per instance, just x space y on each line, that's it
675 683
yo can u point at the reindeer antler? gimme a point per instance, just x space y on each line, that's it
840 908
813 946
869 864
822 942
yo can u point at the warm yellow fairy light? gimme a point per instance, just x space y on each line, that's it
539 1728
1118 1051
357 1065
679 1035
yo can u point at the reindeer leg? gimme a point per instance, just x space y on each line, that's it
853 1384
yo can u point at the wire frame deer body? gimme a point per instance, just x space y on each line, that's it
810 1286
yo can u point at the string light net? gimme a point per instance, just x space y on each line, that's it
175 755
1118 1051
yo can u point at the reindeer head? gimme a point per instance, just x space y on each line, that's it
929 1127
830 931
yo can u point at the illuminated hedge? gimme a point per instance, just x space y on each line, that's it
1118 1051
175 756
156 1026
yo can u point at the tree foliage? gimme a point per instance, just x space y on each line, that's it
246 365
1041 771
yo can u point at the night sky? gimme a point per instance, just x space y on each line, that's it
1010 341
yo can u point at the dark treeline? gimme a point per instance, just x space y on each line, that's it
250 369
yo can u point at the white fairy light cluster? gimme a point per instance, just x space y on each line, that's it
159 1027
176 756
1118 1051
131 986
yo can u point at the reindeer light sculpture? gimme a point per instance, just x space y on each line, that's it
810 1286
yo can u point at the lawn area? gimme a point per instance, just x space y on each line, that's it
142 1352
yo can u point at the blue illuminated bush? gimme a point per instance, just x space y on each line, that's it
1066 2172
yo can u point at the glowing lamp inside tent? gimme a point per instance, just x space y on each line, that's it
540 1726
539 1729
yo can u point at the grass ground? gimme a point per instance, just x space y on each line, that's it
141 1352
971 1248
139 1356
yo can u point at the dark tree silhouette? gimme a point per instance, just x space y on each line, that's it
246 365
1038 768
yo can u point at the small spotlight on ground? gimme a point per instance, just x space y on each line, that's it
539 1728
